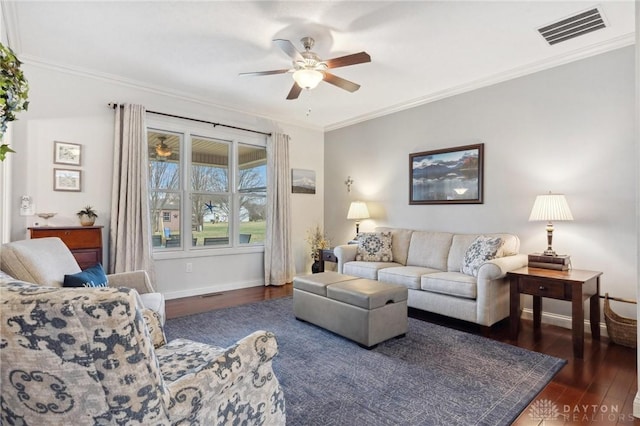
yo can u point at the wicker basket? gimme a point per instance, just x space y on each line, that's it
622 331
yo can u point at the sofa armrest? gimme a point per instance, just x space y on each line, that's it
498 268
493 288
138 280
242 375
345 253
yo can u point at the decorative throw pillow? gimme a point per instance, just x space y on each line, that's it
154 326
483 248
90 277
374 247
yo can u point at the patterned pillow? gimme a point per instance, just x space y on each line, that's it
90 277
483 248
374 247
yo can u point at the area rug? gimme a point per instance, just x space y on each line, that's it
433 376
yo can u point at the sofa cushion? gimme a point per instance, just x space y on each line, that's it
408 276
483 248
451 283
366 269
400 239
374 247
90 277
429 249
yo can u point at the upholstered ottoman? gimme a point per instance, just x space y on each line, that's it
365 311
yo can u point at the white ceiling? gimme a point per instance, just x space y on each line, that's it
420 50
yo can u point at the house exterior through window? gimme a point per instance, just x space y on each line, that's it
206 191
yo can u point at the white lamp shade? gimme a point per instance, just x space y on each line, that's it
307 79
550 207
358 210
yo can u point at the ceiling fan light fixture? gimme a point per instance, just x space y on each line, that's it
308 79
162 149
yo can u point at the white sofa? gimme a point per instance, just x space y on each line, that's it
429 265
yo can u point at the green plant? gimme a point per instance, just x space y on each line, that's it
14 90
87 211
4 149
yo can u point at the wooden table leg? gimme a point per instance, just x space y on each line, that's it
594 312
514 310
577 321
537 312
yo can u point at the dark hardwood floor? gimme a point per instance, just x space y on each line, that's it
598 389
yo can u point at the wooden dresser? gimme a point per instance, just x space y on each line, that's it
85 242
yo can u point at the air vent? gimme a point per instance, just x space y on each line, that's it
574 26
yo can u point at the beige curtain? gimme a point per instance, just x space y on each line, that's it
130 233
279 266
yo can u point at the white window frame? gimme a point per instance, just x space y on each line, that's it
194 129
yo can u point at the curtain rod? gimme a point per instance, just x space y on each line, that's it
114 105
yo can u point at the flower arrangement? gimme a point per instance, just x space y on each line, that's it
316 240
14 91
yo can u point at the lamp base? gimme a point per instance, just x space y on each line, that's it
550 253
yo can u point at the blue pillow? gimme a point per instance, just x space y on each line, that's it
90 277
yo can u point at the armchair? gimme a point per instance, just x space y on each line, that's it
84 356
45 261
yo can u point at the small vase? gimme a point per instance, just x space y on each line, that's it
87 221
315 268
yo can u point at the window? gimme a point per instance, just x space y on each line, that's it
214 193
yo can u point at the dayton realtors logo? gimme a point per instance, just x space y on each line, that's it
543 409
547 410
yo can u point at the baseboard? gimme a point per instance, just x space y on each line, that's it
212 289
636 405
563 321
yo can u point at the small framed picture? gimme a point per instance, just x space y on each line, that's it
66 180
303 181
66 153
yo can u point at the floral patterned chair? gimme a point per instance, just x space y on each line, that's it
86 357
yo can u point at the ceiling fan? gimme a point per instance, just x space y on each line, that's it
309 70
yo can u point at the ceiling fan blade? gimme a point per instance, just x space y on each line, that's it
289 49
294 92
343 61
265 72
340 82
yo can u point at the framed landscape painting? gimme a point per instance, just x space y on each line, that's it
66 180
303 181
66 153
447 176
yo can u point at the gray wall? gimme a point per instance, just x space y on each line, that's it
569 130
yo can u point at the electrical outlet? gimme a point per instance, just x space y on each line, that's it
189 267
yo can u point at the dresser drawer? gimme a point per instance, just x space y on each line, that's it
77 238
87 258
85 242
534 287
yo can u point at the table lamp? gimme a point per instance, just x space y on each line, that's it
550 207
358 210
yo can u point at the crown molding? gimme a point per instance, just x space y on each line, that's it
531 68
135 84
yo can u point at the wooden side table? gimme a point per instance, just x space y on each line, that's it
575 286
326 255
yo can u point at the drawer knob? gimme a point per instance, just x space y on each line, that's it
541 288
